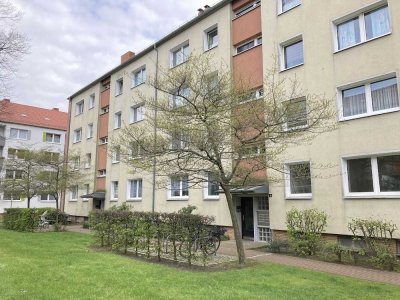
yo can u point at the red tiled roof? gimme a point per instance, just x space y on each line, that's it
30 115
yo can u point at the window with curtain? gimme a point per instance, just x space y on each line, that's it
384 94
348 33
354 101
377 23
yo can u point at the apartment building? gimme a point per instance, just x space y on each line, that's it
27 127
345 50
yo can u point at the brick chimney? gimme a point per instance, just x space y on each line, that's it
6 100
200 11
126 56
55 108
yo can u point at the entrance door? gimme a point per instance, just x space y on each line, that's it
97 204
247 217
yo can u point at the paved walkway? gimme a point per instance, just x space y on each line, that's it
229 248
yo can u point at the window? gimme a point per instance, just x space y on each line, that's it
211 38
212 187
52 156
285 5
298 180
103 140
293 55
114 190
179 187
252 95
178 141
11 196
92 100
369 99
362 28
86 189
119 86
116 155
104 110
77 135
20 134
47 197
117 120
135 150
135 187
136 113
249 45
247 8
253 150
90 131
296 114
74 192
179 55
52 138
16 153
79 107
75 163
13 174
179 97
139 77
88 161
101 173
372 176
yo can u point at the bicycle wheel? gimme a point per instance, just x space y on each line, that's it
185 246
210 244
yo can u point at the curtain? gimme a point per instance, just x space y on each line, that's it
348 33
354 102
377 23
384 95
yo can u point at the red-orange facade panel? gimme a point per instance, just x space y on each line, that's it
102 157
100 183
248 68
105 98
103 125
247 26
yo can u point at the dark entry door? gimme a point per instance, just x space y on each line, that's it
247 217
97 204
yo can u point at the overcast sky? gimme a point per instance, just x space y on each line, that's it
75 41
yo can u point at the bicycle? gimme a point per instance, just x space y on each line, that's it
208 244
43 224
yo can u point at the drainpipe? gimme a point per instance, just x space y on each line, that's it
153 203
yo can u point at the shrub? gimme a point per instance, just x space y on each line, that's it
27 219
304 229
377 236
278 246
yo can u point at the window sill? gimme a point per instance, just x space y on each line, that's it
101 176
134 200
115 162
291 68
371 197
299 197
290 9
54 143
135 86
118 95
114 200
79 114
172 66
90 108
76 142
90 137
47 201
73 200
247 50
136 122
211 198
211 48
12 200
117 128
362 43
85 199
377 113
184 198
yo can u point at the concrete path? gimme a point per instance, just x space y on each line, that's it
229 248
78 228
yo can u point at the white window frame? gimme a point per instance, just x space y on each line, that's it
282 56
104 110
375 178
247 8
92 101
119 86
255 95
103 141
87 188
102 173
285 126
116 155
280 7
257 42
139 113
47 199
114 190
360 14
88 161
207 196
74 193
118 120
76 138
138 187
368 97
18 135
89 131
181 196
53 135
79 107
288 193
207 33
177 49
141 72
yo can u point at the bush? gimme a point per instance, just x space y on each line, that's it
27 219
377 236
85 225
304 229
278 246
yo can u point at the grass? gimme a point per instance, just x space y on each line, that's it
62 266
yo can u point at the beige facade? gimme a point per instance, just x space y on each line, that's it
331 65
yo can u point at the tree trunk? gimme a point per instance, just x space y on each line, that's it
236 230
29 202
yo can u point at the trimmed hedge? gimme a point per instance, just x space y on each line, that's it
147 232
27 219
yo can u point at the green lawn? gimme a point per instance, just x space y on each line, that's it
61 266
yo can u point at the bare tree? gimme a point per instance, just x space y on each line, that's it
13 44
203 123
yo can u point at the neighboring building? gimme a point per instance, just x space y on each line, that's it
345 50
28 127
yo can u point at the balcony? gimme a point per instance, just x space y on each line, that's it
105 98
103 125
248 68
247 26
